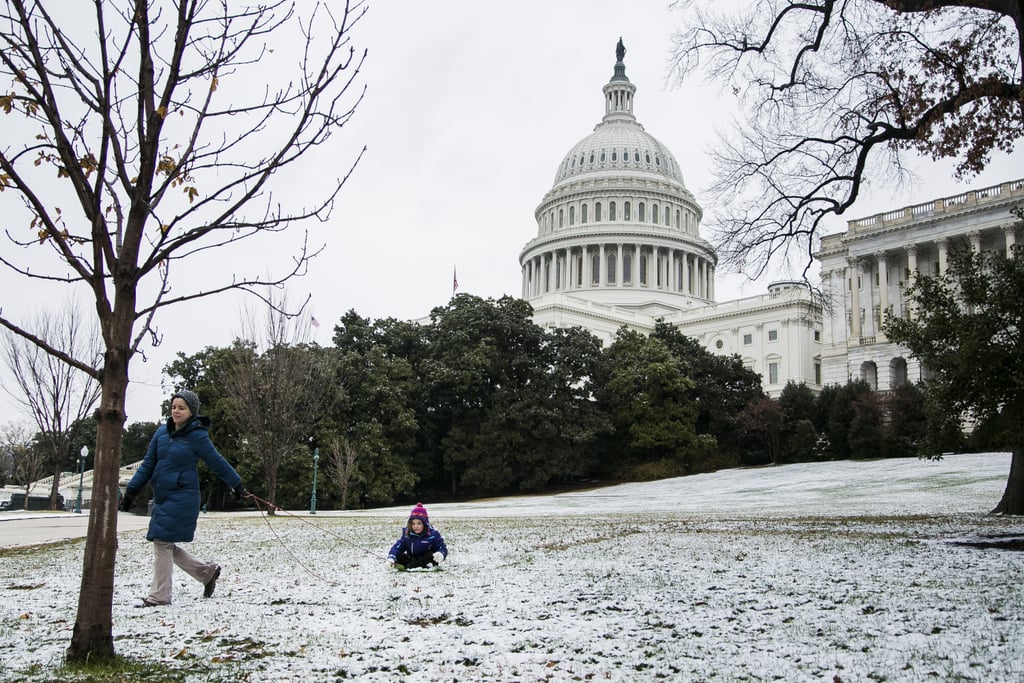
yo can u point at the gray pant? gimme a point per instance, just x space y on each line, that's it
165 556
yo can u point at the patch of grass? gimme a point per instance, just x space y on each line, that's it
119 670
32 550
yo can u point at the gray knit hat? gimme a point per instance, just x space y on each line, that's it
190 398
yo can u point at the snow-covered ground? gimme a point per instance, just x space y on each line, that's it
813 572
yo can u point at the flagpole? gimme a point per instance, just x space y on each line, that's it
455 281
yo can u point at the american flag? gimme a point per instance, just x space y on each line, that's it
314 322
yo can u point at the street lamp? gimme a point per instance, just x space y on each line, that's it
316 462
82 454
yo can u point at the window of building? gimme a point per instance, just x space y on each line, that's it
583 213
654 214
572 215
773 373
561 218
625 211
602 156
719 344
627 269
817 372
597 212
668 215
611 211
817 335
643 269
641 214
611 269
748 339
615 155
773 335
595 269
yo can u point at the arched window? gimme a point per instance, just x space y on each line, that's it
597 212
625 211
636 156
641 215
627 269
591 157
654 213
668 215
643 269
583 214
572 215
611 268
561 218
611 211
602 156
615 155
595 269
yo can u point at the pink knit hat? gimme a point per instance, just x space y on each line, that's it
419 512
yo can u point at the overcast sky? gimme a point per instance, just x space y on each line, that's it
469 109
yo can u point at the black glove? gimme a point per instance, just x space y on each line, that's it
240 492
128 500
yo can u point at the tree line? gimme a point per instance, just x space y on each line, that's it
481 401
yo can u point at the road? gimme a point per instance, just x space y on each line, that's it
20 529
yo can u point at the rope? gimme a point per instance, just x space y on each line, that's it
265 506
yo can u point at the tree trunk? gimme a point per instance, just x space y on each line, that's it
92 639
1012 502
55 486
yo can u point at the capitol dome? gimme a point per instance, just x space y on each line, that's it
619 147
618 227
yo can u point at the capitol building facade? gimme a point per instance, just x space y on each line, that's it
618 244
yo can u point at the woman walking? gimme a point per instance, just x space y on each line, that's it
171 464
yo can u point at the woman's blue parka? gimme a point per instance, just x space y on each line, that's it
170 466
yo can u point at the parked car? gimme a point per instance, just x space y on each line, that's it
17 502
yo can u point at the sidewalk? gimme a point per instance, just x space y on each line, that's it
19 529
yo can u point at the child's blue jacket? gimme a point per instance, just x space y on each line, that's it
427 543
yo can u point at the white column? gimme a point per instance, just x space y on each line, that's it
1010 233
943 245
686 273
855 300
975 237
883 291
912 267
588 268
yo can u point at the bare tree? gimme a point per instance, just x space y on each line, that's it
278 384
144 140
343 459
57 396
27 463
834 93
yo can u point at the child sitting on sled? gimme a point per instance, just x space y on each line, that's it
420 545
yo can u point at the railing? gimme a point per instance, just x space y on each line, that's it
910 213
